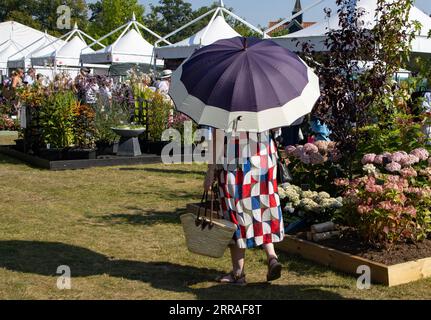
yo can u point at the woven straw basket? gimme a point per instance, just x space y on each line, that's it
207 241
206 235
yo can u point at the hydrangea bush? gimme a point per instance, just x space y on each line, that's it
315 163
391 202
312 205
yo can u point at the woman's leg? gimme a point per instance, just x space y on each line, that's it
238 258
274 266
270 251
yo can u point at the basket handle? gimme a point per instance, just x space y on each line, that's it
204 200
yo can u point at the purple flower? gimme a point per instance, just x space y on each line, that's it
368 158
409 160
421 153
379 159
310 148
393 167
290 150
399 156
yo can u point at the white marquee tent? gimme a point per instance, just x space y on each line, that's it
216 29
130 47
22 58
316 34
67 54
14 37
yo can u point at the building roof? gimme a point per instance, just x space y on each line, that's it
287 25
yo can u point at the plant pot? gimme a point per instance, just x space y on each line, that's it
78 154
129 142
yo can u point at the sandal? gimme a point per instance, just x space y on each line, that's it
232 278
274 269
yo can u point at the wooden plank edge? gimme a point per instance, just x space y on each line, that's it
410 271
336 259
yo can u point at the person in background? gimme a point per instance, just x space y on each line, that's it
41 80
80 82
291 135
30 77
107 85
426 105
320 130
16 80
164 83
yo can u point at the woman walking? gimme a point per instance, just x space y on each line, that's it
246 87
247 183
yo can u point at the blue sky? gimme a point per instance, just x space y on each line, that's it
260 12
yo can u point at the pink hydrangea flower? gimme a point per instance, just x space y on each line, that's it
305 158
297 152
340 182
378 159
387 155
421 153
393 167
290 150
322 146
399 156
408 172
317 158
310 148
368 158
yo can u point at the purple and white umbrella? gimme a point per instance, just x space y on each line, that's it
256 81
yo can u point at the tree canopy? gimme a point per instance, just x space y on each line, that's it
42 14
102 16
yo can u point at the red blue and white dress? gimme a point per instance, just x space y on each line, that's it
248 189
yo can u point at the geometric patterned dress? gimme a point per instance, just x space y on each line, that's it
248 189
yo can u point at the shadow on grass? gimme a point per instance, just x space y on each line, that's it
143 217
43 258
166 171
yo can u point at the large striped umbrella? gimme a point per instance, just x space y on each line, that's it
254 81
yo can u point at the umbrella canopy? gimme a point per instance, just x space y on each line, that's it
257 81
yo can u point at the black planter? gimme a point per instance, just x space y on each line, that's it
106 148
78 154
156 147
53 154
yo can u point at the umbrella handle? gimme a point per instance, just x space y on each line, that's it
235 123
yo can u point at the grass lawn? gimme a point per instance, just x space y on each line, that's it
118 229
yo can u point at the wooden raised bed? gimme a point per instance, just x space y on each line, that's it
389 275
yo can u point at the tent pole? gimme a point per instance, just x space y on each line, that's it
152 32
122 34
106 36
252 27
186 25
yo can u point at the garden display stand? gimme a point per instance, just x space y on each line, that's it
129 142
